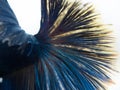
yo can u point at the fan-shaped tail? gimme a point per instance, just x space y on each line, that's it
74 51
77 53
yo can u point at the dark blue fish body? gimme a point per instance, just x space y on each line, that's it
72 50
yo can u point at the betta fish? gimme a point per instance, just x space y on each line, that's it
71 51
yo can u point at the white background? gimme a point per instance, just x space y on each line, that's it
28 14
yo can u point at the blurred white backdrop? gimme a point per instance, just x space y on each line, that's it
1 79
28 14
